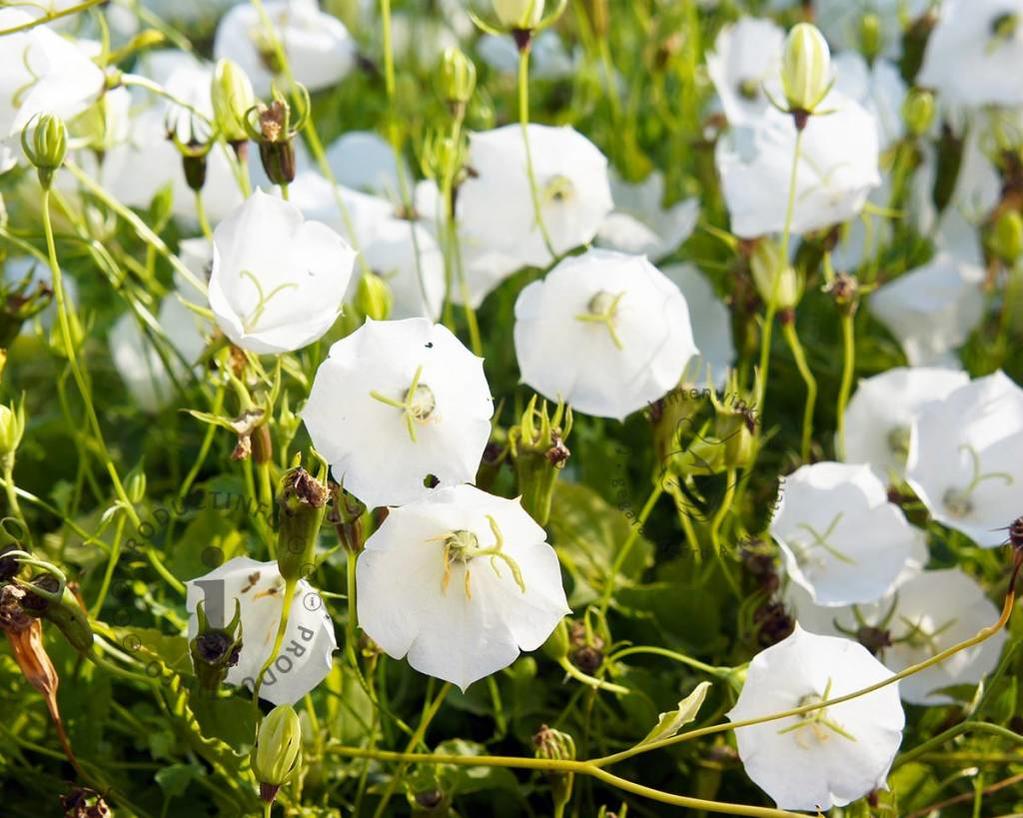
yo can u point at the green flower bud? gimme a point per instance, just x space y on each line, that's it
557 644
1006 240
277 754
373 297
539 453
47 146
135 484
232 96
457 77
303 504
12 427
520 14
918 111
870 36
555 745
805 68
773 275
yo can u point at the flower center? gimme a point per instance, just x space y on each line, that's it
920 636
820 540
559 189
463 546
249 324
959 501
816 722
417 406
603 309
1004 26
749 89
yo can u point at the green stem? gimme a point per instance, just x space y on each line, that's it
792 338
524 123
414 741
722 512
290 586
51 16
951 733
710 670
624 551
115 555
200 212
848 368
12 495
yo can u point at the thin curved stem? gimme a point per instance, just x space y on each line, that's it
792 338
951 733
51 16
848 368
524 123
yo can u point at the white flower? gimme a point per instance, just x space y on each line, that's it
966 458
841 21
840 537
881 412
364 161
746 57
495 205
149 377
549 60
306 654
459 582
395 403
929 613
605 331
483 267
826 757
879 88
277 281
641 225
712 326
932 310
838 168
974 53
41 72
407 257
319 48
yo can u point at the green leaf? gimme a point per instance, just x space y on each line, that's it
174 780
674 720
171 650
587 533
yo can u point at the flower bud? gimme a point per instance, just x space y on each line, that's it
457 77
557 644
12 427
303 504
519 14
1006 240
918 111
232 96
774 277
555 745
135 484
47 146
539 453
373 297
277 754
806 68
870 36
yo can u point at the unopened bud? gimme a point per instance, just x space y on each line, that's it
1006 239
12 427
277 754
373 297
805 69
47 146
870 36
519 14
918 111
457 77
774 277
232 97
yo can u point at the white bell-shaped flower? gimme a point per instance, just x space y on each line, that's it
459 582
974 53
879 88
826 757
838 168
278 280
495 204
605 331
407 257
319 48
881 413
640 224
932 310
396 405
840 537
746 57
363 160
306 654
966 458
41 72
712 326
929 613
842 21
